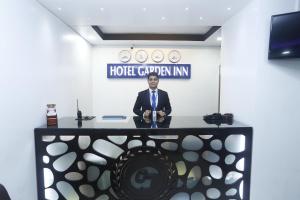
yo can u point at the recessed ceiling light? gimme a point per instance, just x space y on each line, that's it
144 9
163 18
187 9
101 9
201 18
219 38
229 8
59 8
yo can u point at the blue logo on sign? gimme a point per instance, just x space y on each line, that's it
171 71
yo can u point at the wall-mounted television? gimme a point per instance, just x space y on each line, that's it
285 36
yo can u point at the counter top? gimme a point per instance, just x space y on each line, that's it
129 122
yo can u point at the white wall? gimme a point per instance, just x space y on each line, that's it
265 94
197 96
41 61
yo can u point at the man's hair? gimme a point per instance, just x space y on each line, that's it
153 74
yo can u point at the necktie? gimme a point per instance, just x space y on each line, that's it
153 100
153 124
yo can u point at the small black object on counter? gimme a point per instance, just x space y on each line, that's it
218 118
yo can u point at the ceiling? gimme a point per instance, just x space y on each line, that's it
145 17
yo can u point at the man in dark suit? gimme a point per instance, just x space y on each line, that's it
152 99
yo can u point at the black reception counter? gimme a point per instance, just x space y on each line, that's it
129 158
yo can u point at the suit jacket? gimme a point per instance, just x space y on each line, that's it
142 102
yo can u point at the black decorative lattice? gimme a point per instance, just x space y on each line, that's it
143 173
190 164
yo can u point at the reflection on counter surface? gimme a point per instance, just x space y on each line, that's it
138 122
161 122
181 158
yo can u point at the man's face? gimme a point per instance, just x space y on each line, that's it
153 82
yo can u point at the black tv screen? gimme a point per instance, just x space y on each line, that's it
285 36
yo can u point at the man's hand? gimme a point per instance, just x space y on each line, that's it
147 120
147 113
161 113
160 119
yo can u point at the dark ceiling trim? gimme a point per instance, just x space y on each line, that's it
146 36
211 31
100 33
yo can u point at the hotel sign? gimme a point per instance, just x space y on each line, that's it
167 71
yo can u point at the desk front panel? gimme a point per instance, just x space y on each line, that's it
144 164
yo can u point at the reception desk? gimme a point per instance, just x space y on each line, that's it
176 158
